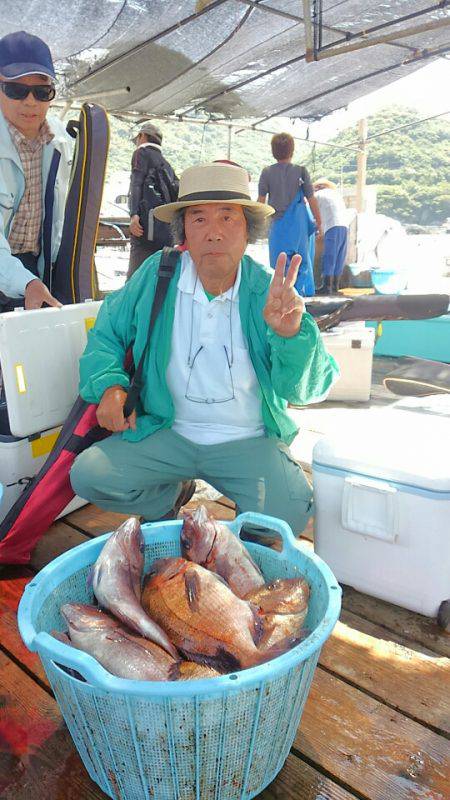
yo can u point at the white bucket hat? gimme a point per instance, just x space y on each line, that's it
213 183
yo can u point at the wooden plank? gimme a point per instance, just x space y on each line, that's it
399 620
93 521
409 681
12 586
372 750
59 538
214 508
298 781
37 756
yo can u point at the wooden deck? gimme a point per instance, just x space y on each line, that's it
376 725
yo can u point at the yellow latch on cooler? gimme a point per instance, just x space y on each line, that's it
89 323
42 445
20 378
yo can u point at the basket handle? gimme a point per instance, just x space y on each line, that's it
68 656
288 539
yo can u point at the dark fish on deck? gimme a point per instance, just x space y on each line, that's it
189 671
203 617
118 650
116 581
282 596
211 544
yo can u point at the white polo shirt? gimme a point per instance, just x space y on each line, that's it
210 376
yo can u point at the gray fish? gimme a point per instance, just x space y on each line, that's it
211 544
116 581
119 651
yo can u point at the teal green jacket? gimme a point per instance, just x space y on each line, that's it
296 370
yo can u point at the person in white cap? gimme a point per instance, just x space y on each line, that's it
153 182
335 218
231 347
35 160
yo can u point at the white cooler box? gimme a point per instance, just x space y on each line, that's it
352 347
382 501
39 354
21 459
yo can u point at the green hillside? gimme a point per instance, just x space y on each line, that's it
411 167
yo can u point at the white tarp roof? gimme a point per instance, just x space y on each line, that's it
227 58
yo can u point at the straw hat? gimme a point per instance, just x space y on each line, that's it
213 183
324 183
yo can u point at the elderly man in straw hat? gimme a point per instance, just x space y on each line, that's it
231 347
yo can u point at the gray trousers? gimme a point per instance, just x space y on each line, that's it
144 478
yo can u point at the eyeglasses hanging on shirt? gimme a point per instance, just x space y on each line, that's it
200 387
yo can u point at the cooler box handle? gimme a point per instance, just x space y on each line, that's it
370 508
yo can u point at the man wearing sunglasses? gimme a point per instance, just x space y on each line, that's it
35 158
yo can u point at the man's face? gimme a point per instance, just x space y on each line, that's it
216 237
29 114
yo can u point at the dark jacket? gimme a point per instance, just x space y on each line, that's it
146 158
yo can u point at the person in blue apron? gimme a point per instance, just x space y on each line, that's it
296 221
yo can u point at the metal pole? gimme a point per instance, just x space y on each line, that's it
361 166
65 109
309 44
230 131
385 39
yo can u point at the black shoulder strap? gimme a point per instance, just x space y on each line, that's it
167 264
48 218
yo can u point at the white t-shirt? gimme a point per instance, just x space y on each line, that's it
333 211
210 375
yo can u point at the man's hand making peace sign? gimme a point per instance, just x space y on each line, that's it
284 307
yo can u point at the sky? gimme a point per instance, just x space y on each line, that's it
425 90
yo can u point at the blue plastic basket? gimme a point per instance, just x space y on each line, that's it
388 281
216 739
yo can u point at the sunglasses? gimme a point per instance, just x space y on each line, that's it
19 91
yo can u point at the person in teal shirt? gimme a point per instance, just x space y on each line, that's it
231 347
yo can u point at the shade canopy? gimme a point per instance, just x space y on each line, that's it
231 59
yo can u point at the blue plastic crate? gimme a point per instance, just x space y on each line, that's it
388 281
217 739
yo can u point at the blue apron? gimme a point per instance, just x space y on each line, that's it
294 233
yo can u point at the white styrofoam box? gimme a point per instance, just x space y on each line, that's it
382 502
351 345
21 459
39 355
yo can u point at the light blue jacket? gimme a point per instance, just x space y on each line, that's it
13 275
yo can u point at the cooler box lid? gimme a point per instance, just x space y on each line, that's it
39 355
403 448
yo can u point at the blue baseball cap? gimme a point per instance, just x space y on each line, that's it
22 54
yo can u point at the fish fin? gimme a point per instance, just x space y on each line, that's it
192 586
258 629
174 671
222 661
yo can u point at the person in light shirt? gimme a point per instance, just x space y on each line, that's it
35 164
335 217
231 347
